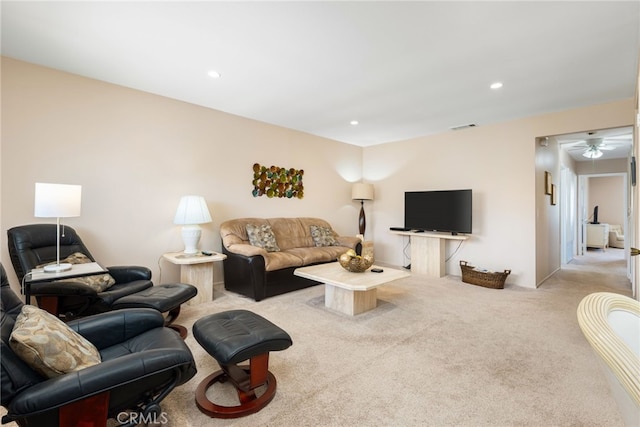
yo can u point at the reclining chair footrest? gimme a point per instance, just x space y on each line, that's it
163 298
166 298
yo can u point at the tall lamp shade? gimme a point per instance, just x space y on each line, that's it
57 201
362 191
192 210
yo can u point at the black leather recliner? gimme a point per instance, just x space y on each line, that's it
142 361
35 244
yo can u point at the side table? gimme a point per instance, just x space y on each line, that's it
50 303
196 270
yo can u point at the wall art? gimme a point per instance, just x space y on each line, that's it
275 181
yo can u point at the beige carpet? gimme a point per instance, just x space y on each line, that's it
435 352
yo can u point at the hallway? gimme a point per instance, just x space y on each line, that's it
598 269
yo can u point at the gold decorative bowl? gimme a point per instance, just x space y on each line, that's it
355 264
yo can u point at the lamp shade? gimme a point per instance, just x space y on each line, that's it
362 191
57 200
192 210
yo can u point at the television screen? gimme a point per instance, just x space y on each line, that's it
444 210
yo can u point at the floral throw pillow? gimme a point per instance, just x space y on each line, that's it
322 236
263 237
48 345
98 282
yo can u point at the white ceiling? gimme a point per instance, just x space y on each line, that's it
402 69
615 143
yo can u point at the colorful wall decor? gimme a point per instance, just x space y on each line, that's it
274 181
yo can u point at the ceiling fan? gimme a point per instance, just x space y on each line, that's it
592 148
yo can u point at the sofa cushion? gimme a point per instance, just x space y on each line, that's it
48 345
283 259
263 237
322 236
290 232
318 254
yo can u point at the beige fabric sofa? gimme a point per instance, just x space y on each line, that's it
255 272
616 236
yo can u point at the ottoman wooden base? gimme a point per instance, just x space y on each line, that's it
250 403
232 337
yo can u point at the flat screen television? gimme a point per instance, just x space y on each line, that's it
441 210
595 216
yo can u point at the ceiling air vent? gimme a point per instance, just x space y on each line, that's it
470 125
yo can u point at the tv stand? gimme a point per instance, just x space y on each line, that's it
428 251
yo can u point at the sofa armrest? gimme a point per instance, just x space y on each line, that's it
246 250
348 241
245 275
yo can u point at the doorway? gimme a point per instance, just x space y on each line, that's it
586 182
602 199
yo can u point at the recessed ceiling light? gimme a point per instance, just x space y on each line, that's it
354 122
496 85
214 74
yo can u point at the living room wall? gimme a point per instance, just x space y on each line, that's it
135 154
514 225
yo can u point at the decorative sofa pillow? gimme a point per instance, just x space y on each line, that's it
48 345
263 237
322 236
97 282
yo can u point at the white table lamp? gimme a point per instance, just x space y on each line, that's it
192 211
362 191
57 201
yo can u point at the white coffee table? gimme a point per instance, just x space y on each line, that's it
349 293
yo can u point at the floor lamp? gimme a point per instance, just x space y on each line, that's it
192 211
57 201
361 191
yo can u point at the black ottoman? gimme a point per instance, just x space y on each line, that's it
232 337
165 298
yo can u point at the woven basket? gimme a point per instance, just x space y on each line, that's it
483 278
